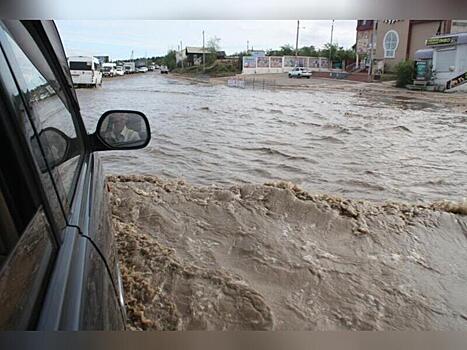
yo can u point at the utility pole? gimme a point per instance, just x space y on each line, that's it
247 46
296 40
330 48
373 41
204 56
181 52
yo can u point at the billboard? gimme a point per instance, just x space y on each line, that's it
262 62
276 62
313 62
249 62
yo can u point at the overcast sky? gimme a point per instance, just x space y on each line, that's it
117 38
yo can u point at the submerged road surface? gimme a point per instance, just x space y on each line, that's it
353 144
237 254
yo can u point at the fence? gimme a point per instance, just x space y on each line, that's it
254 83
282 64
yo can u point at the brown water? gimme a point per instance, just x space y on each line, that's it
342 250
276 257
334 142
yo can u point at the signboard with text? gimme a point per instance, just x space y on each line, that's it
459 80
436 41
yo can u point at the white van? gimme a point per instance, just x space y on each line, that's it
85 70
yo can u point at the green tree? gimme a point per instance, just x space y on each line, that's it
405 72
307 51
169 60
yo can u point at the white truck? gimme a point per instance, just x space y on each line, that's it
85 70
129 67
109 69
300 72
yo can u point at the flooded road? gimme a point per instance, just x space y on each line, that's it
255 257
329 241
352 144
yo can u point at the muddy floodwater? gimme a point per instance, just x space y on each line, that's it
321 209
352 143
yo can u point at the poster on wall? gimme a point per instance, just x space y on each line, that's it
263 62
324 63
289 61
313 62
249 62
300 61
276 62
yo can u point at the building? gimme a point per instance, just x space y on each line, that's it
364 42
459 26
191 56
398 40
449 61
103 59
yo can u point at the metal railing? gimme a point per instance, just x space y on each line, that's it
252 83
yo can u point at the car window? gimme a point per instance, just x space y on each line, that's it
23 273
46 110
27 245
15 188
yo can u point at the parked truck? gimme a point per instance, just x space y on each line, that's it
129 67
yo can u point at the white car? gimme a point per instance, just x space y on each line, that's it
300 72
142 69
164 70
119 70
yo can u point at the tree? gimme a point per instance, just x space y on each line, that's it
287 50
405 72
307 51
170 60
328 47
213 44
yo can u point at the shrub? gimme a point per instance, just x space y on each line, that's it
405 72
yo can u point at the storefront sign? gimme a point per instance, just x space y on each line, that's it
435 41
461 79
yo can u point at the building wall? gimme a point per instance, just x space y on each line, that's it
363 41
402 29
459 26
419 33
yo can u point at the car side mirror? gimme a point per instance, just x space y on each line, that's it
121 130
57 148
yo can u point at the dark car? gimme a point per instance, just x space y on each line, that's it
58 262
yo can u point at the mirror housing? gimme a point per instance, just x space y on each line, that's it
121 130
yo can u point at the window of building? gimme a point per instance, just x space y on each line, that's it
390 43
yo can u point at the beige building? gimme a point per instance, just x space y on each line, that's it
364 42
459 26
398 40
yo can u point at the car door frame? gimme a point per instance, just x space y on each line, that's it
81 213
62 308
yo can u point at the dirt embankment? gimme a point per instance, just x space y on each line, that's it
275 257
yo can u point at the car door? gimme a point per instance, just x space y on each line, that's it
81 293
